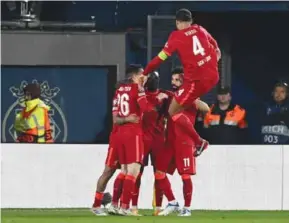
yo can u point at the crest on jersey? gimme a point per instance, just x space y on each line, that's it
57 118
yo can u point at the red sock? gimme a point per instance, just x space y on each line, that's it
181 120
117 188
128 188
158 195
97 199
187 189
165 185
135 195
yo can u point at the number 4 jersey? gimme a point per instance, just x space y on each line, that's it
132 101
197 51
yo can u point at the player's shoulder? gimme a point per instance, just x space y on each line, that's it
197 27
169 93
201 29
174 34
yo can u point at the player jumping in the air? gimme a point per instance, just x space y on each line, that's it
199 54
178 156
111 163
130 148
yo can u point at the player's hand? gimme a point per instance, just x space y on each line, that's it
143 80
132 118
162 96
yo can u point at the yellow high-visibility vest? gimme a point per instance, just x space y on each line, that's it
32 124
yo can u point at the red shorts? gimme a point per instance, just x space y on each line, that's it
165 161
112 157
151 149
181 157
130 147
184 159
189 92
184 151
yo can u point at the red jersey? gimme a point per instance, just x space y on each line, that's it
131 100
196 49
152 123
191 113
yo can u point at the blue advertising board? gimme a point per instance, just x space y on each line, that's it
78 97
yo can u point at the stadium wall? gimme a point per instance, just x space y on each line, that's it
67 48
64 176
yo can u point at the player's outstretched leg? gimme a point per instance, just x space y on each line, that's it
165 186
128 186
184 124
100 188
187 192
135 195
180 119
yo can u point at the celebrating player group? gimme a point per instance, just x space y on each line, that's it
155 123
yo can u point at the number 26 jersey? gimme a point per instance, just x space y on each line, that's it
132 101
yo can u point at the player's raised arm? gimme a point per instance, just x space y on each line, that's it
142 101
167 51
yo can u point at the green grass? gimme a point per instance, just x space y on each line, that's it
84 216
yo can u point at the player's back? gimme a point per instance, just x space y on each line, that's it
127 97
152 123
195 50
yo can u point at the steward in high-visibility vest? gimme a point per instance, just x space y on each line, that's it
32 123
226 123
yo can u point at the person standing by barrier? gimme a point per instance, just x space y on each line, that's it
226 122
275 121
32 124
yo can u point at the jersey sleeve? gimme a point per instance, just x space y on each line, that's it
167 51
210 38
142 101
170 46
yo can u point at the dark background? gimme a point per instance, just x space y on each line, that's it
258 33
84 98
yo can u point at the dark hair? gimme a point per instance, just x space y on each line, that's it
184 15
177 70
223 90
33 89
282 84
132 69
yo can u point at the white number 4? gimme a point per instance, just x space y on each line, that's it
197 46
123 103
186 162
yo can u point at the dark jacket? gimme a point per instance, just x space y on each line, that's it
275 123
226 126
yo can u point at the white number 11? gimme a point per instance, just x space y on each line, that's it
186 162
197 46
